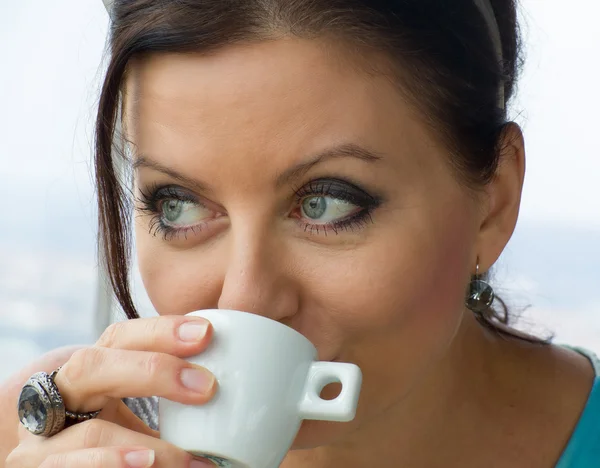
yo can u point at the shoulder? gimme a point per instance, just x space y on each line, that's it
545 389
9 393
565 379
583 448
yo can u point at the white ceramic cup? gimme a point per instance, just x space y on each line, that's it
269 381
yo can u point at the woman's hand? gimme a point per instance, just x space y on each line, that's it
136 358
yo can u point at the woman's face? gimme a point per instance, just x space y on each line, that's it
278 179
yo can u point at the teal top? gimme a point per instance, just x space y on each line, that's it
583 450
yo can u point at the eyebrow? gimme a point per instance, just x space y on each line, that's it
143 161
346 150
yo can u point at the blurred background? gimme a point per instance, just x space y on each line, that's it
51 293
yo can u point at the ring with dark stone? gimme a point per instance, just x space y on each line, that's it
41 408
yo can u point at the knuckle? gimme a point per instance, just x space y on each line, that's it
96 459
163 328
17 458
81 362
56 460
95 433
157 326
111 335
91 458
158 364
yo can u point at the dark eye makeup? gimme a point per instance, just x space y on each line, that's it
328 194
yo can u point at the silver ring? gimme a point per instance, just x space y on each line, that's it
41 408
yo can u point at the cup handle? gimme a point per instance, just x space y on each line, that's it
342 408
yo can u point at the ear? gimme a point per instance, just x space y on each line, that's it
503 200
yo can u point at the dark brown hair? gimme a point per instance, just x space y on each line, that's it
441 52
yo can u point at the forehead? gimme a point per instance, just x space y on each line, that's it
268 77
266 103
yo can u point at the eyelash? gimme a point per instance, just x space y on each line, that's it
340 190
149 203
151 199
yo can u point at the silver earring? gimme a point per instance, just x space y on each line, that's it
481 295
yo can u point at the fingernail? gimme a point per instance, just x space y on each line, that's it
140 459
198 380
202 464
193 331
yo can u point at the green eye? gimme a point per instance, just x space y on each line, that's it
172 210
314 207
326 209
182 212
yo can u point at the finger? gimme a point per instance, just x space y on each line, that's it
23 434
106 457
173 334
95 375
96 434
116 411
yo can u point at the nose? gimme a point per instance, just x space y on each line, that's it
258 277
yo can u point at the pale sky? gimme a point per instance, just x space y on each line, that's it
559 100
50 55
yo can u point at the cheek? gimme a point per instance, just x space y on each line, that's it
420 278
402 294
412 277
394 312
176 281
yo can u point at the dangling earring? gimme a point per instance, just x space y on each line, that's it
481 295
